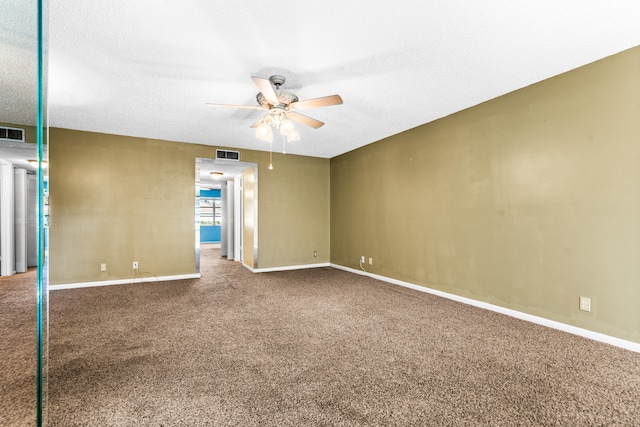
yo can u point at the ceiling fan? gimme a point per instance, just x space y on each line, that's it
282 107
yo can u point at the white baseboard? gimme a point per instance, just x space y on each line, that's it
124 281
618 342
286 267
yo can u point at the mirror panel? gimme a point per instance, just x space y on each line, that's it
23 279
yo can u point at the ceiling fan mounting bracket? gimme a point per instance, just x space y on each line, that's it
277 80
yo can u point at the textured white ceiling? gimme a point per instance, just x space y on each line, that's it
18 47
146 68
229 169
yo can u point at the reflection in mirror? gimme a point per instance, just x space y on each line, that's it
23 302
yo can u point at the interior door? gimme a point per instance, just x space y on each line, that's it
249 226
32 220
20 219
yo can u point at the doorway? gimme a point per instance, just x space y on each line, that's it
18 208
226 202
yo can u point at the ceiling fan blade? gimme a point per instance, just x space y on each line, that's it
265 86
305 120
325 101
256 124
246 107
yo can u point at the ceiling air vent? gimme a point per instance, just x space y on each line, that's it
11 134
228 155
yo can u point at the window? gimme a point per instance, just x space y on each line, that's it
210 211
217 212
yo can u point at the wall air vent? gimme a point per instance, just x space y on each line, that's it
11 134
228 155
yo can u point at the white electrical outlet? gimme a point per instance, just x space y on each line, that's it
585 304
362 259
103 267
370 260
135 265
315 253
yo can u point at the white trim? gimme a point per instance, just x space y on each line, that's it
130 281
286 267
596 336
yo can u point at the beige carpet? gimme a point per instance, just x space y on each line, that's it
18 350
319 347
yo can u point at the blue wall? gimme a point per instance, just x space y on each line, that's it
209 234
210 193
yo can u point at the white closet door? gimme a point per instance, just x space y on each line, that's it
237 219
20 221
223 226
32 220
229 219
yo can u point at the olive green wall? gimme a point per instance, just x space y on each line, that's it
297 197
527 201
117 199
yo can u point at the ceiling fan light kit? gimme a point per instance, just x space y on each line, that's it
264 132
282 107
